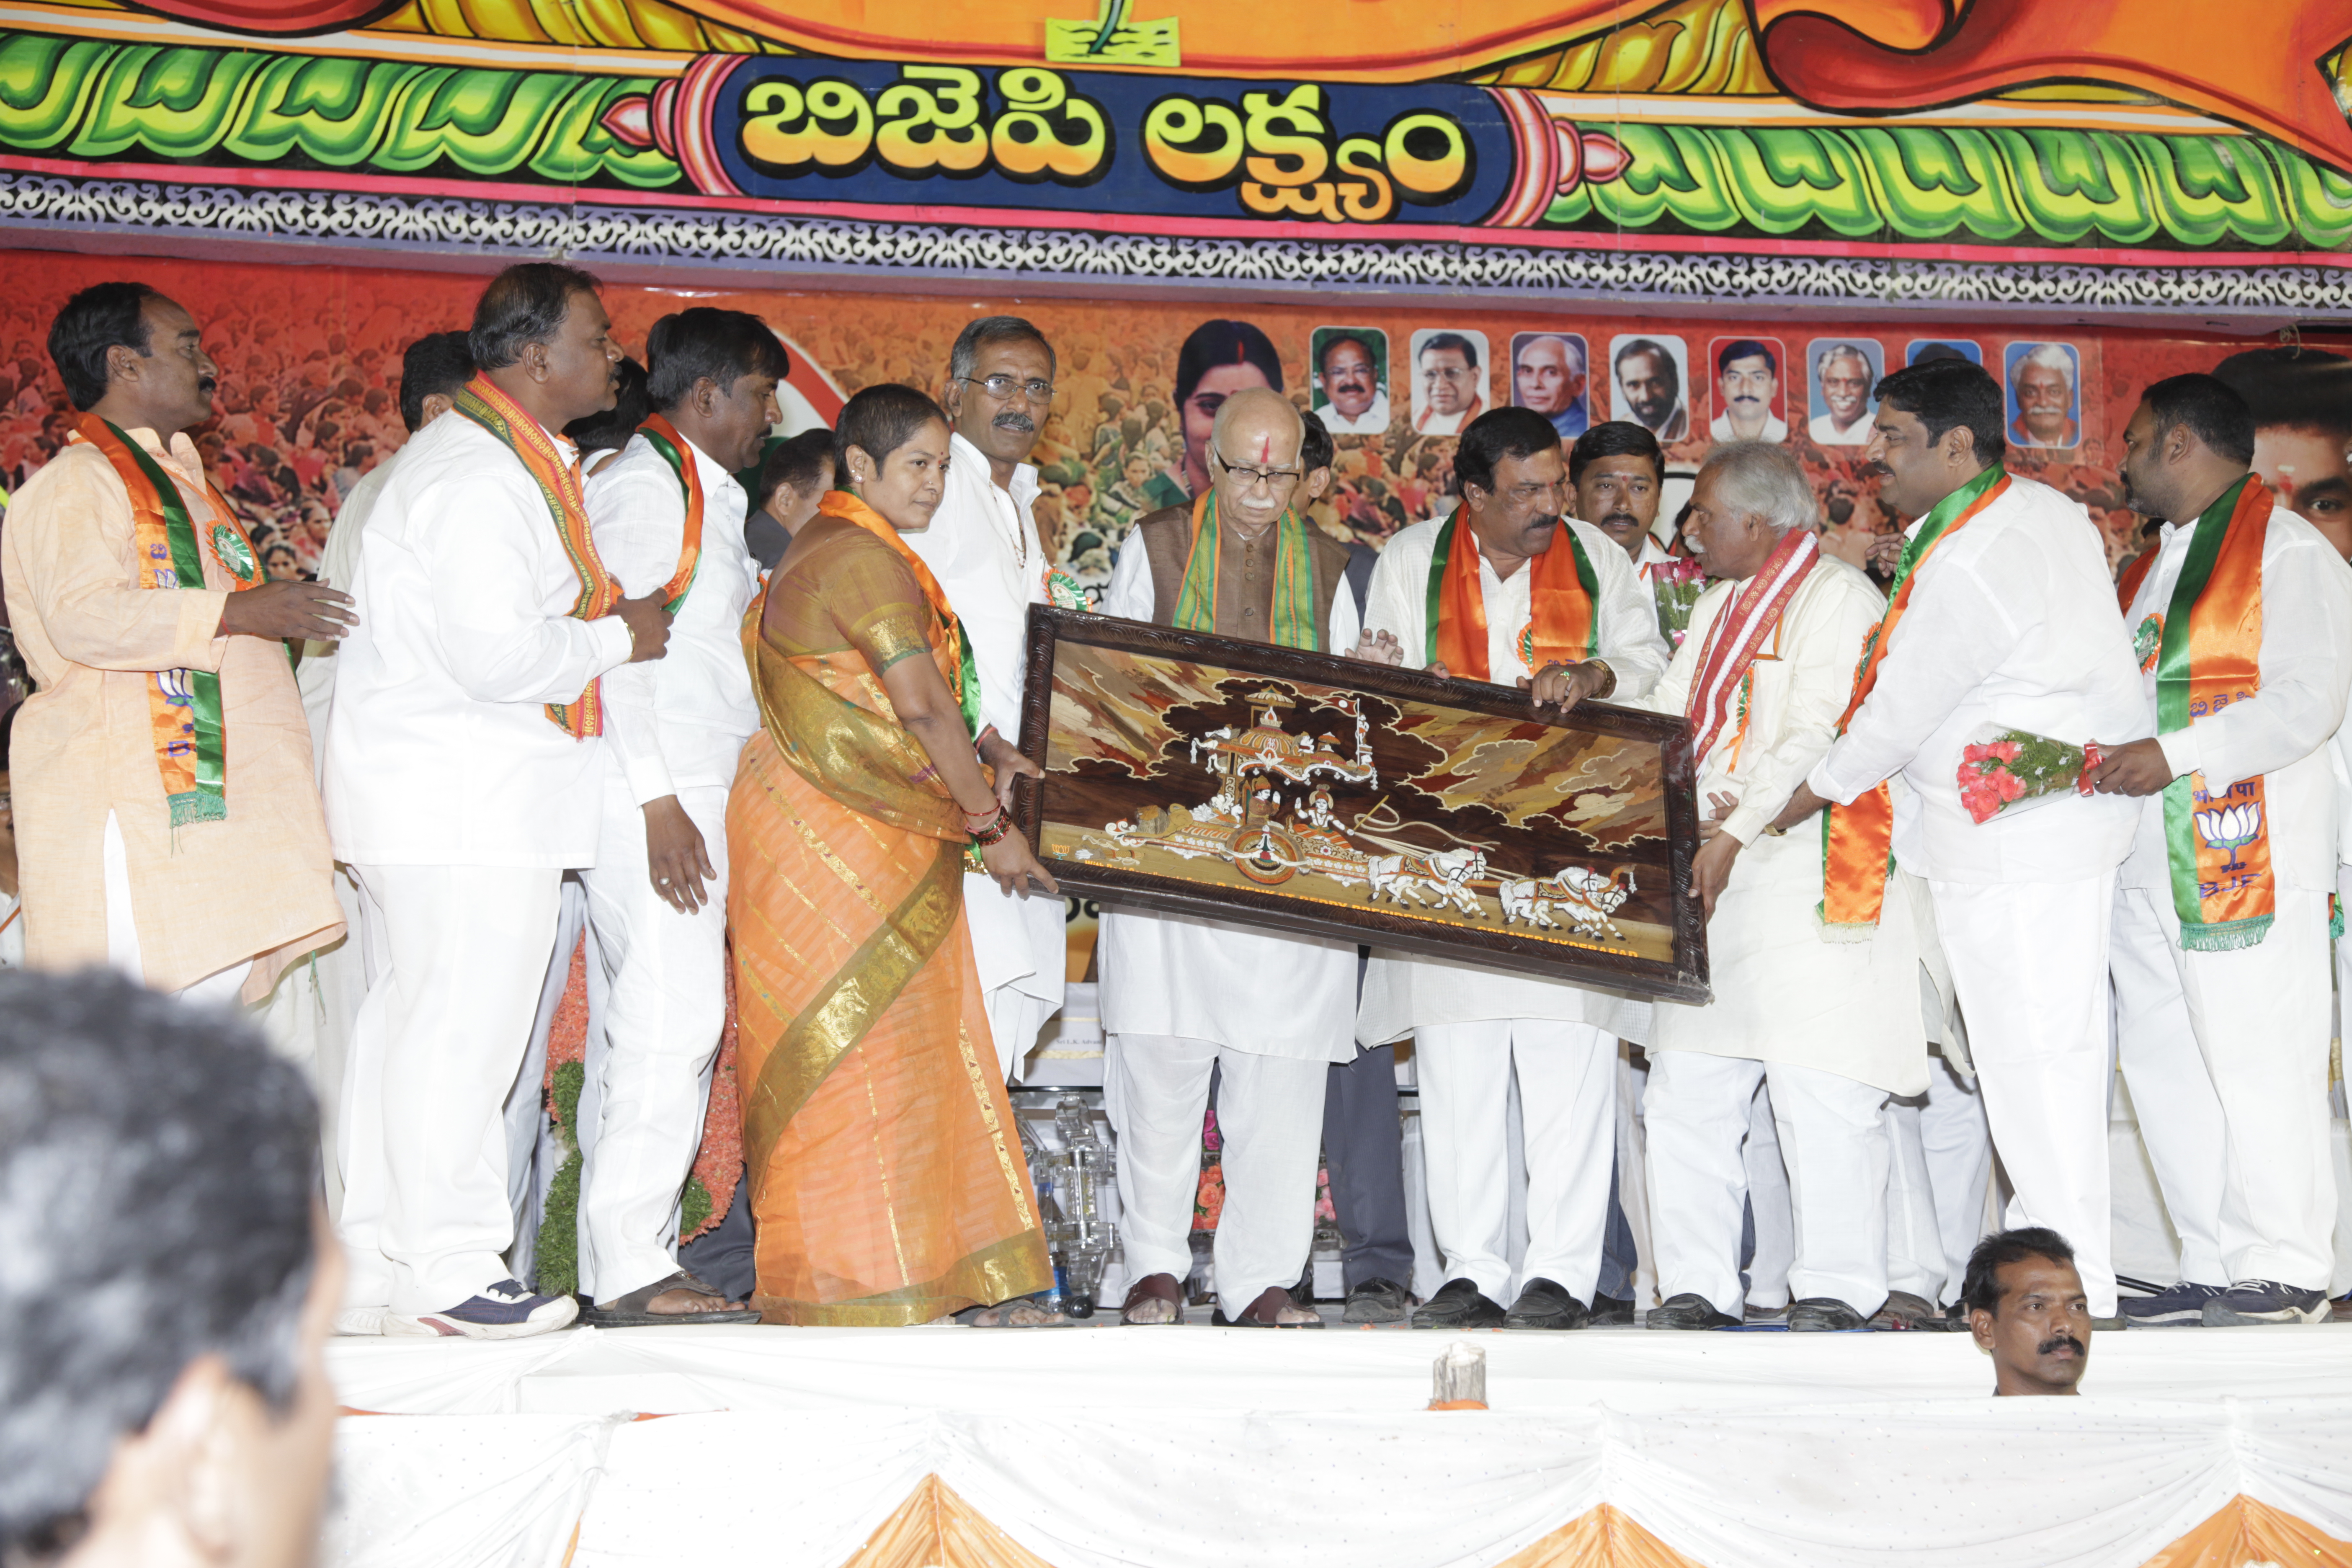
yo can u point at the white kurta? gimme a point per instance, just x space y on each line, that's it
1373 421
1402 994
1247 988
982 546
1782 992
2226 1053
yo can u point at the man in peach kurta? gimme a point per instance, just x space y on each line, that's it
218 905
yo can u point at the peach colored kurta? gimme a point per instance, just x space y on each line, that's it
206 895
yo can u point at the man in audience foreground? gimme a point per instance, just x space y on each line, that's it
2028 1311
158 1166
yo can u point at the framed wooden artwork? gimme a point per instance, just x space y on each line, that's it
1326 796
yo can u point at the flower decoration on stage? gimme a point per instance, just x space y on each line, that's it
2232 828
2148 641
2009 770
1677 585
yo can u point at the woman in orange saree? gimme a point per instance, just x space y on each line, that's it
886 1175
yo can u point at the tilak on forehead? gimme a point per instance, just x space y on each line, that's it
1265 446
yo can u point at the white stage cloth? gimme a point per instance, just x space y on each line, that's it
1095 1448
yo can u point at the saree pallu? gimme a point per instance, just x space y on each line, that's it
886 1170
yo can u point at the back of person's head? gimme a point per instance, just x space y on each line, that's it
1315 448
1944 393
964 357
524 305
2209 408
437 364
1980 1286
158 1167
101 317
1498 435
1615 439
723 346
881 419
609 429
1213 344
804 461
2293 388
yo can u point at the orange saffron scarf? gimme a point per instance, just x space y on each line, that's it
2208 650
1857 840
183 705
850 509
1563 621
674 449
558 477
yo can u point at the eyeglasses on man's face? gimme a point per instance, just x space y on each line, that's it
1275 480
1001 387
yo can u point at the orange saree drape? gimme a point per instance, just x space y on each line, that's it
886 1176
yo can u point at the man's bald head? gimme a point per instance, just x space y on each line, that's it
1257 432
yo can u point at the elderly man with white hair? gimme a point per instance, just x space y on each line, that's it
1833 1026
1184 996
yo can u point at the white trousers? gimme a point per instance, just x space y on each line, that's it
1568 1090
2226 1054
534 1153
664 1003
2030 962
1772 1210
1936 1185
220 989
434 1055
1270 1117
1833 1144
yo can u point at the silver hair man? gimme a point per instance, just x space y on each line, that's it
1762 481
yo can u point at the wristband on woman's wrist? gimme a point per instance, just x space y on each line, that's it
992 829
980 746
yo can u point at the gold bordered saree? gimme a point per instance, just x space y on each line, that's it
886 1172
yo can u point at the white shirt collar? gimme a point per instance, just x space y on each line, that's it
965 457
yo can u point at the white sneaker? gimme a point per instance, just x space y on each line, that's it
503 1312
361 1320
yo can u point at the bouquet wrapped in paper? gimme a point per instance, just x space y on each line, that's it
1677 584
2012 770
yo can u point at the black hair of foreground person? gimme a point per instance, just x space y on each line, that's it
158 1172
2027 1310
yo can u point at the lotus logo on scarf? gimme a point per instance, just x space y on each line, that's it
2232 827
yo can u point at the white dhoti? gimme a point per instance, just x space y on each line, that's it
1270 1118
2030 960
1568 1089
1181 996
2226 1054
434 1055
1021 947
1832 1144
220 989
664 1003
1937 1183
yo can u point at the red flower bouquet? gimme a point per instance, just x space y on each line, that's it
2010 770
1677 584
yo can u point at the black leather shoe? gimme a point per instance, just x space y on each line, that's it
1545 1305
1823 1315
1689 1310
1459 1304
1377 1301
1612 1313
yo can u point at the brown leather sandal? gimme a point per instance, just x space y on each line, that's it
1267 1312
1153 1287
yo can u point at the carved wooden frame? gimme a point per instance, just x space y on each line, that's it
1685 979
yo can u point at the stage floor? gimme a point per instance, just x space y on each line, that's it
1192 1445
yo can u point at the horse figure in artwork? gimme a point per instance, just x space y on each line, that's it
1443 876
1586 897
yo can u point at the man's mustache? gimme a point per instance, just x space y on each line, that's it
2057 1342
1014 419
1746 397
1620 519
1877 471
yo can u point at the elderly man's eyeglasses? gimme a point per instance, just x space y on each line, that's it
1274 479
1001 387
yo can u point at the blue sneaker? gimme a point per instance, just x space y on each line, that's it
2181 1306
2251 1302
504 1311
